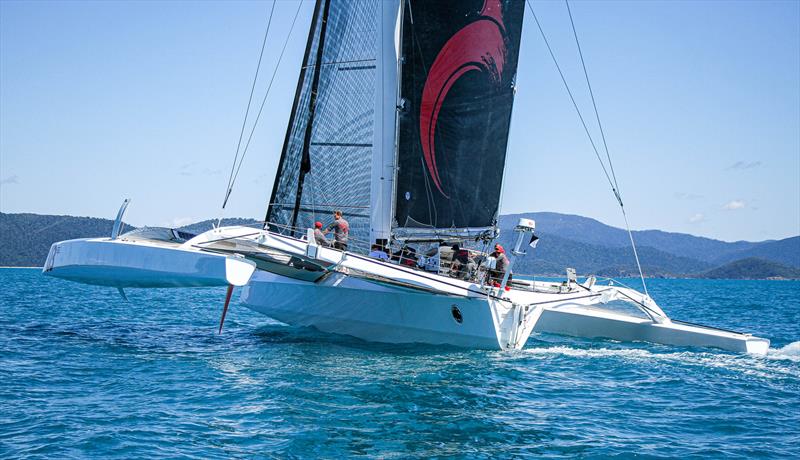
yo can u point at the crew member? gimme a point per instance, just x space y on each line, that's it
407 256
319 236
462 263
341 230
501 266
377 252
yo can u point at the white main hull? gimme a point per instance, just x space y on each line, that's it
371 311
377 313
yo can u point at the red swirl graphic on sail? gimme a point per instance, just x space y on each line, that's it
480 46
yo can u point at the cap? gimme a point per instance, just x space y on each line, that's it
499 248
318 224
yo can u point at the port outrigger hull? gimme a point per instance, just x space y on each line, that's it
144 263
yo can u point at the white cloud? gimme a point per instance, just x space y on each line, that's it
744 165
697 218
187 169
734 205
12 179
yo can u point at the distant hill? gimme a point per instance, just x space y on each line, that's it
25 239
566 241
752 268
553 254
785 252
710 251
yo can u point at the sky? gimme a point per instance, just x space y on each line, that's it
700 103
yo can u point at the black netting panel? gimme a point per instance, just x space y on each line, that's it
340 147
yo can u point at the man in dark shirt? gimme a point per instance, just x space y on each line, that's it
462 263
341 230
406 256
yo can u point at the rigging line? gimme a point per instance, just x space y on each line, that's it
633 246
428 194
594 147
496 216
269 87
605 145
572 98
594 104
415 38
247 111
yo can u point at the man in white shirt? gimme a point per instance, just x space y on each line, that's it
377 252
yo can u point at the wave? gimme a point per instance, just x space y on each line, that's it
789 352
773 365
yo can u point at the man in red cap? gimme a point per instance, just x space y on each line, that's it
319 236
501 267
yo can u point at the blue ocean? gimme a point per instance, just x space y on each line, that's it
85 374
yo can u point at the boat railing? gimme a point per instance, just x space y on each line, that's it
401 256
405 255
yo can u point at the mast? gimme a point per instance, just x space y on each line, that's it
386 96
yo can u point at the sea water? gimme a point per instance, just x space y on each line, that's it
85 374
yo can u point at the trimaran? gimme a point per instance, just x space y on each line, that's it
401 119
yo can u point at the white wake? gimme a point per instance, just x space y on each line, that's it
790 352
778 362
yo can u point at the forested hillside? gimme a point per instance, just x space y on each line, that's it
711 252
25 239
746 268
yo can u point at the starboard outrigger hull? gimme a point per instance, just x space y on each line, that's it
119 264
590 323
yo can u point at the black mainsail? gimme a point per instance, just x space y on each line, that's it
457 87
326 159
